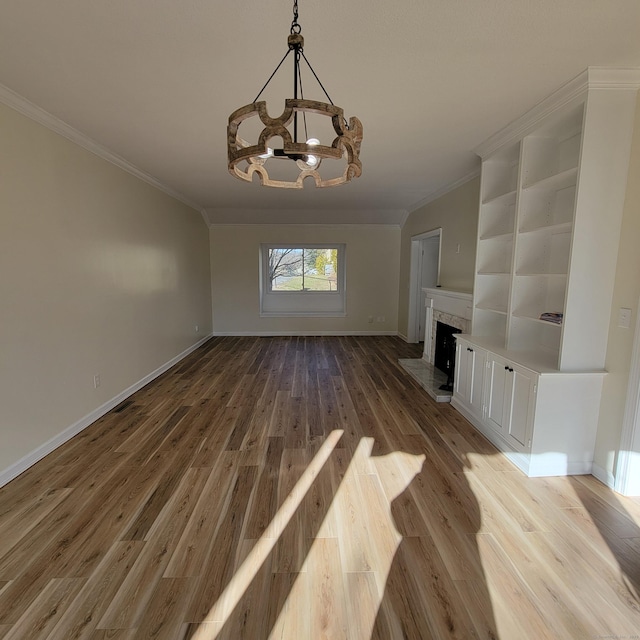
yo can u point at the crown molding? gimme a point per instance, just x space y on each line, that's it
442 192
220 217
405 217
572 93
614 78
28 109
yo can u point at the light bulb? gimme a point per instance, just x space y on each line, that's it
312 161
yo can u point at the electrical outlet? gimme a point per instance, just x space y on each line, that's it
370 319
624 318
96 381
197 328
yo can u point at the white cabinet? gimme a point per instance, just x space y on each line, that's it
496 391
542 419
469 375
510 400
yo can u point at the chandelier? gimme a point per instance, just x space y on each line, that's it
303 155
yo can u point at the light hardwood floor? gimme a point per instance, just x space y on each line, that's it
306 488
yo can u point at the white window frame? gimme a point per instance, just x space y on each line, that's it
303 303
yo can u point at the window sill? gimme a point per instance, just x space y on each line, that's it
304 314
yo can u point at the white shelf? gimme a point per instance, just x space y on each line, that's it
539 274
489 324
500 176
550 154
498 218
555 182
530 318
492 308
544 208
503 198
563 227
498 236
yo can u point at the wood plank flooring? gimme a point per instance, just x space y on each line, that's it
306 488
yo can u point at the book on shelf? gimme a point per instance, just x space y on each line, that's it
548 316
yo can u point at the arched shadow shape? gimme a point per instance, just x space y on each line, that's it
436 587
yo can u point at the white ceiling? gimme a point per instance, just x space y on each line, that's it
154 82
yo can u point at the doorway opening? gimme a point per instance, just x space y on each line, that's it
424 273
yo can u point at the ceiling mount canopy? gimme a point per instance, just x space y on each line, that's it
298 132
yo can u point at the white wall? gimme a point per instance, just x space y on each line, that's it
100 273
372 263
620 344
456 213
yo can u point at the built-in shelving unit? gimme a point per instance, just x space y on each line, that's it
539 230
524 241
551 198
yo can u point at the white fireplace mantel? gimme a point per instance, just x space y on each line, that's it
455 305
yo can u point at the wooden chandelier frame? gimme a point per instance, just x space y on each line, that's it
346 144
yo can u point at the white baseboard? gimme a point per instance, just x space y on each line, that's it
403 337
606 477
540 467
294 334
46 448
515 458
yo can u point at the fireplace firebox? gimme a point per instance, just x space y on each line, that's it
445 352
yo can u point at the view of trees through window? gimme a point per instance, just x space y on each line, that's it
303 269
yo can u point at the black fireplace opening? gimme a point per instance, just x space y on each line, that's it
444 357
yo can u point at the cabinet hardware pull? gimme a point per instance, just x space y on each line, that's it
506 368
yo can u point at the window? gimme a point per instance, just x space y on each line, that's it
303 269
304 279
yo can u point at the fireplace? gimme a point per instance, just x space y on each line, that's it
451 308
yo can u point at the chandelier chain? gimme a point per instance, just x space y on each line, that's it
295 27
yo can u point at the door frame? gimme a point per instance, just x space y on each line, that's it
627 470
415 280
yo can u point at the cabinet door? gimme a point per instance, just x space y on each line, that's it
511 391
461 386
522 389
469 376
463 364
497 399
475 379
